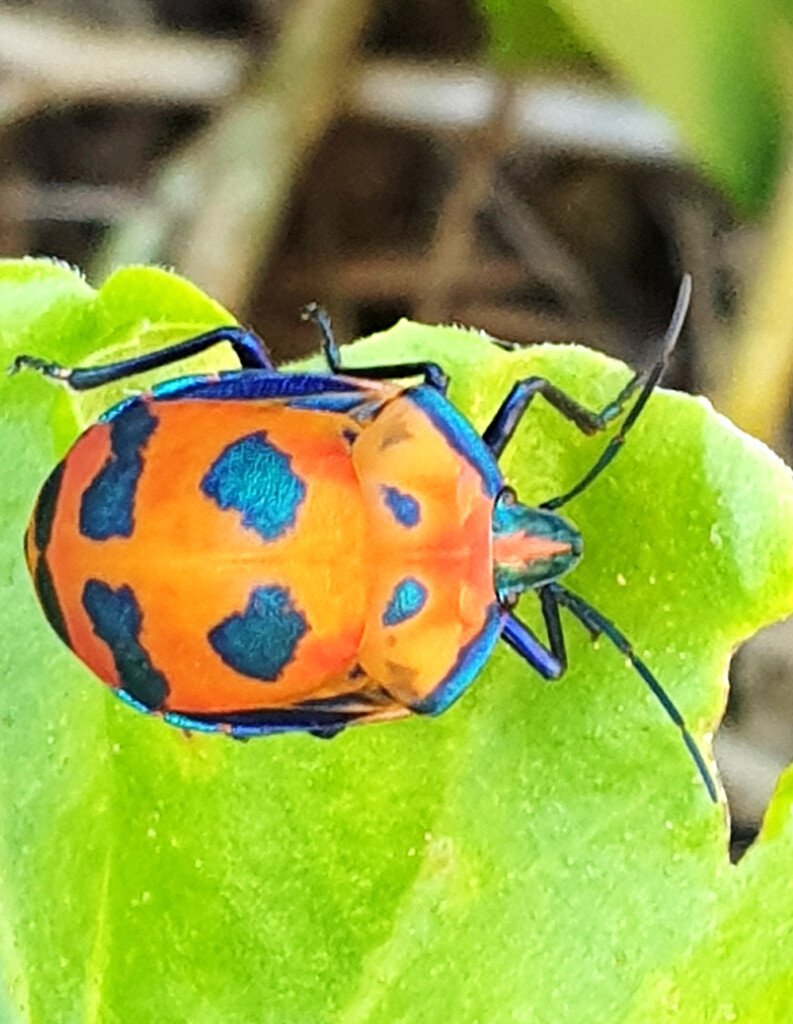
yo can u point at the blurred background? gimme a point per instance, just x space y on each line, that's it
543 171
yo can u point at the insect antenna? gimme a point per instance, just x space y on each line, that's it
599 624
653 376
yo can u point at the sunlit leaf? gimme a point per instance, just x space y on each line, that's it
540 852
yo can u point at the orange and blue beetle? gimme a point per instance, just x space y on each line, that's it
256 552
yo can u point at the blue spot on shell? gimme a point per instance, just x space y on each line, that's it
43 519
408 599
116 618
106 507
252 476
260 641
44 514
404 507
48 596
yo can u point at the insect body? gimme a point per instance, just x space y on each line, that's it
255 552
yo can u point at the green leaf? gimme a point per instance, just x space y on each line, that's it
707 64
539 852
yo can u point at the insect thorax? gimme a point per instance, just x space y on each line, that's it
530 547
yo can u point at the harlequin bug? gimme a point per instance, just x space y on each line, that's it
255 552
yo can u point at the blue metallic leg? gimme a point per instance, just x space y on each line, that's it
504 423
550 662
553 626
499 431
518 635
248 348
432 373
597 624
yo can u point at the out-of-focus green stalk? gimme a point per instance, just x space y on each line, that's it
217 204
757 394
